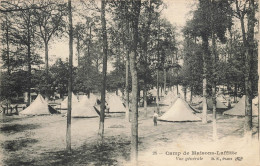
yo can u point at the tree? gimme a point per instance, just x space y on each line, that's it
50 21
136 5
79 36
249 56
191 72
104 72
149 10
60 73
120 31
218 24
68 133
249 59
25 35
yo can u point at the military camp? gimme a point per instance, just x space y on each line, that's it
129 83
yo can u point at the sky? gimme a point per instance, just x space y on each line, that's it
177 12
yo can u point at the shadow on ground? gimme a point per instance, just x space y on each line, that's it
14 128
88 154
18 144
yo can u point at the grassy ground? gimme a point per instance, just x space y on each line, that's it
40 140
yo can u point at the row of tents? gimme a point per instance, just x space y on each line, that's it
180 110
197 101
85 107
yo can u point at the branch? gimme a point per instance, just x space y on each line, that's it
54 28
19 8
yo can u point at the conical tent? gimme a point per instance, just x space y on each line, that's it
239 109
64 103
196 99
219 104
83 109
180 111
115 104
39 107
222 99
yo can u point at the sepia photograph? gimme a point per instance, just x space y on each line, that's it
129 83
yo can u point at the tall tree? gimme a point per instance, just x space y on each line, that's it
79 32
25 35
104 71
127 63
249 55
50 21
147 31
210 22
249 59
136 5
68 133
213 46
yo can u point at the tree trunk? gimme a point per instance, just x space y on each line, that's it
134 107
258 95
177 87
248 66
7 45
117 63
127 117
47 68
157 70
68 133
235 95
127 85
214 58
8 54
185 93
104 72
29 60
89 44
161 92
246 45
145 99
165 80
157 90
136 5
3 112
147 37
205 52
191 94
78 48
46 57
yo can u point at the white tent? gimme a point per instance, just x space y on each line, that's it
239 109
64 103
197 99
199 104
115 104
39 107
180 111
84 108
222 99
219 104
